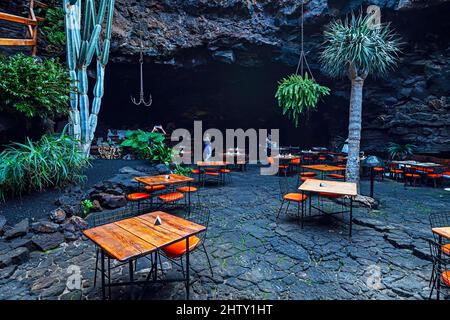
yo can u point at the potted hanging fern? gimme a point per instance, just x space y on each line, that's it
297 94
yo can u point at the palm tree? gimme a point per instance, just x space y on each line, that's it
356 49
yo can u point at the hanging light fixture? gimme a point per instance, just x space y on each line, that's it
141 99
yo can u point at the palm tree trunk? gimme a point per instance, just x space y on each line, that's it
354 130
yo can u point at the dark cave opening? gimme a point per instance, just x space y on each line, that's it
241 95
221 96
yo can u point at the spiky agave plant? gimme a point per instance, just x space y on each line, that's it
357 48
398 151
297 94
53 161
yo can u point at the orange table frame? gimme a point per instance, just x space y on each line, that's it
322 168
163 180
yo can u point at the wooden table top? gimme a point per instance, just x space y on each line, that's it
162 180
212 163
130 238
443 232
287 157
235 154
419 164
335 187
323 167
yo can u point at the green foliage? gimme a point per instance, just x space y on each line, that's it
53 28
297 94
162 154
53 161
87 206
184 171
142 143
148 145
354 43
32 88
400 151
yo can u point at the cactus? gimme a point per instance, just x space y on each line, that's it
83 44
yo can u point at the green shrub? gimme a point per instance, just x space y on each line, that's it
32 88
53 161
87 206
141 142
184 171
53 28
297 94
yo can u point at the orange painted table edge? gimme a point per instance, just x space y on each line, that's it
443 232
211 163
160 179
313 185
287 157
322 167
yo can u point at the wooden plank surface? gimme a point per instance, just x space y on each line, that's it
133 237
211 163
335 187
162 180
118 242
323 167
180 226
444 232
155 235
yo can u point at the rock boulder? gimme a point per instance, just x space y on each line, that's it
18 230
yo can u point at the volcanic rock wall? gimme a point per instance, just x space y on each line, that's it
410 106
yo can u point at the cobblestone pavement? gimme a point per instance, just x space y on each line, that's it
256 256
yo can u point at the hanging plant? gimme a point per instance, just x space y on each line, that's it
297 94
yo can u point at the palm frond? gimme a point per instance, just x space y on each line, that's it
351 42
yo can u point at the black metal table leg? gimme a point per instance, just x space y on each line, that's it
155 275
438 284
187 268
109 278
102 256
372 179
131 278
189 199
351 216
310 204
303 209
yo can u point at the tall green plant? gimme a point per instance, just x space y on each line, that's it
33 88
53 161
297 94
356 48
53 28
84 41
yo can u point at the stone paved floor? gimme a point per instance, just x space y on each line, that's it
257 257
